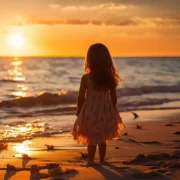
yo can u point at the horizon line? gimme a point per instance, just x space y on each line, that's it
45 56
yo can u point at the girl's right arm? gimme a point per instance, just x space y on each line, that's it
81 95
113 97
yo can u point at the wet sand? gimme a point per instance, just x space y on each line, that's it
150 151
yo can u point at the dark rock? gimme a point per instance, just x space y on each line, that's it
10 167
49 147
140 156
84 155
174 166
162 171
25 156
154 167
3 146
52 165
34 169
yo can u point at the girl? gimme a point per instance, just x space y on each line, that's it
98 119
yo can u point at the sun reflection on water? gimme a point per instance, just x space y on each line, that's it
23 131
17 62
23 148
16 70
15 74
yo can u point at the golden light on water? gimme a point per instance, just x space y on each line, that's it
23 130
19 94
17 62
16 74
23 148
62 92
16 70
16 40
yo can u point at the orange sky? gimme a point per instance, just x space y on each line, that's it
68 27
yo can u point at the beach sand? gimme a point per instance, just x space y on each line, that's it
152 152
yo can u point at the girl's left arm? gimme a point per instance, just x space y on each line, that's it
81 95
113 96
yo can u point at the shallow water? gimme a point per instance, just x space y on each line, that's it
38 95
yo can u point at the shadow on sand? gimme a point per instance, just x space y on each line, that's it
62 176
112 172
9 174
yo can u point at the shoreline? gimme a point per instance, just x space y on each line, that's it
155 138
128 117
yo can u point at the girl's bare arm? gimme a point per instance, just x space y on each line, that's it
113 97
81 95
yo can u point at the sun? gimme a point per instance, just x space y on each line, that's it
17 40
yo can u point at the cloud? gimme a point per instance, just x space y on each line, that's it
74 8
114 6
60 22
54 6
81 22
127 22
105 6
94 3
135 21
166 21
65 22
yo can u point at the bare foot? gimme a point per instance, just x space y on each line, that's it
104 163
89 164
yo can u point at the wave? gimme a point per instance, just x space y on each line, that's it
45 99
146 102
10 81
49 99
130 105
148 90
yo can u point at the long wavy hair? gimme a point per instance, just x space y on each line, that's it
100 65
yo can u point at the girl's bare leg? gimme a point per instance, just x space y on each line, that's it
102 152
91 154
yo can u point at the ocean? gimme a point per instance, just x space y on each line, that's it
38 95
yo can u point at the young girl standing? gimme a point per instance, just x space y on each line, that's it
98 119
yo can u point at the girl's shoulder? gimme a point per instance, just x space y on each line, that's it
86 80
85 77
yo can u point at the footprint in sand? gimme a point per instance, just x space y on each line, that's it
132 140
177 132
150 142
138 127
125 134
170 125
177 141
116 148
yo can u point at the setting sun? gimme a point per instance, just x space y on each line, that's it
17 40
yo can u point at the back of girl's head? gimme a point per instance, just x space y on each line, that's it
100 66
